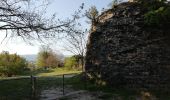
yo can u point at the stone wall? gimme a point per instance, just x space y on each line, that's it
123 51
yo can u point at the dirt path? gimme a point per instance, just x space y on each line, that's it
57 94
70 94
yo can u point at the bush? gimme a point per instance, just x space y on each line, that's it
47 58
73 63
159 17
157 12
11 64
70 63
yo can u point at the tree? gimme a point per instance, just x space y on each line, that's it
52 60
17 18
114 3
11 64
76 40
76 44
92 14
47 58
71 63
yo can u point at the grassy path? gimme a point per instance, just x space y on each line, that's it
58 71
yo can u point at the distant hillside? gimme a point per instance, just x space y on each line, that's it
31 57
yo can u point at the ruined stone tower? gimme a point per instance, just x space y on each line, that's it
123 51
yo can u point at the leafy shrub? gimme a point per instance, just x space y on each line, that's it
159 17
47 58
73 62
11 64
157 12
70 62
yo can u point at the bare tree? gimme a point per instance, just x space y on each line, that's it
17 18
92 14
48 58
75 43
76 40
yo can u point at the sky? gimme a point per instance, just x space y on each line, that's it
63 9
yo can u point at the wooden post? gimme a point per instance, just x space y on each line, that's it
85 80
31 79
33 86
34 83
63 84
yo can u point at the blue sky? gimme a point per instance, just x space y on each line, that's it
63 9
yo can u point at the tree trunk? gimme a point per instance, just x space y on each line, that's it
82 64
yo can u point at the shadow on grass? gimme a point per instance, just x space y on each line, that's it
38 71
15 89
119 93
21 89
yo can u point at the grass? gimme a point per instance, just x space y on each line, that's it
15 89
20 89
120 93
78 83
57 71
50 72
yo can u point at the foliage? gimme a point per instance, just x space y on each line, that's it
151 4
76 44
70 62
157 12
42 56
31 66
11 64
74 62
47 58
92 14
159 17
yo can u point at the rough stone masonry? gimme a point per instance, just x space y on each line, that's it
122 51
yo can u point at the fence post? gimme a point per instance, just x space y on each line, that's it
63 84
85 80
31 79
33 86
